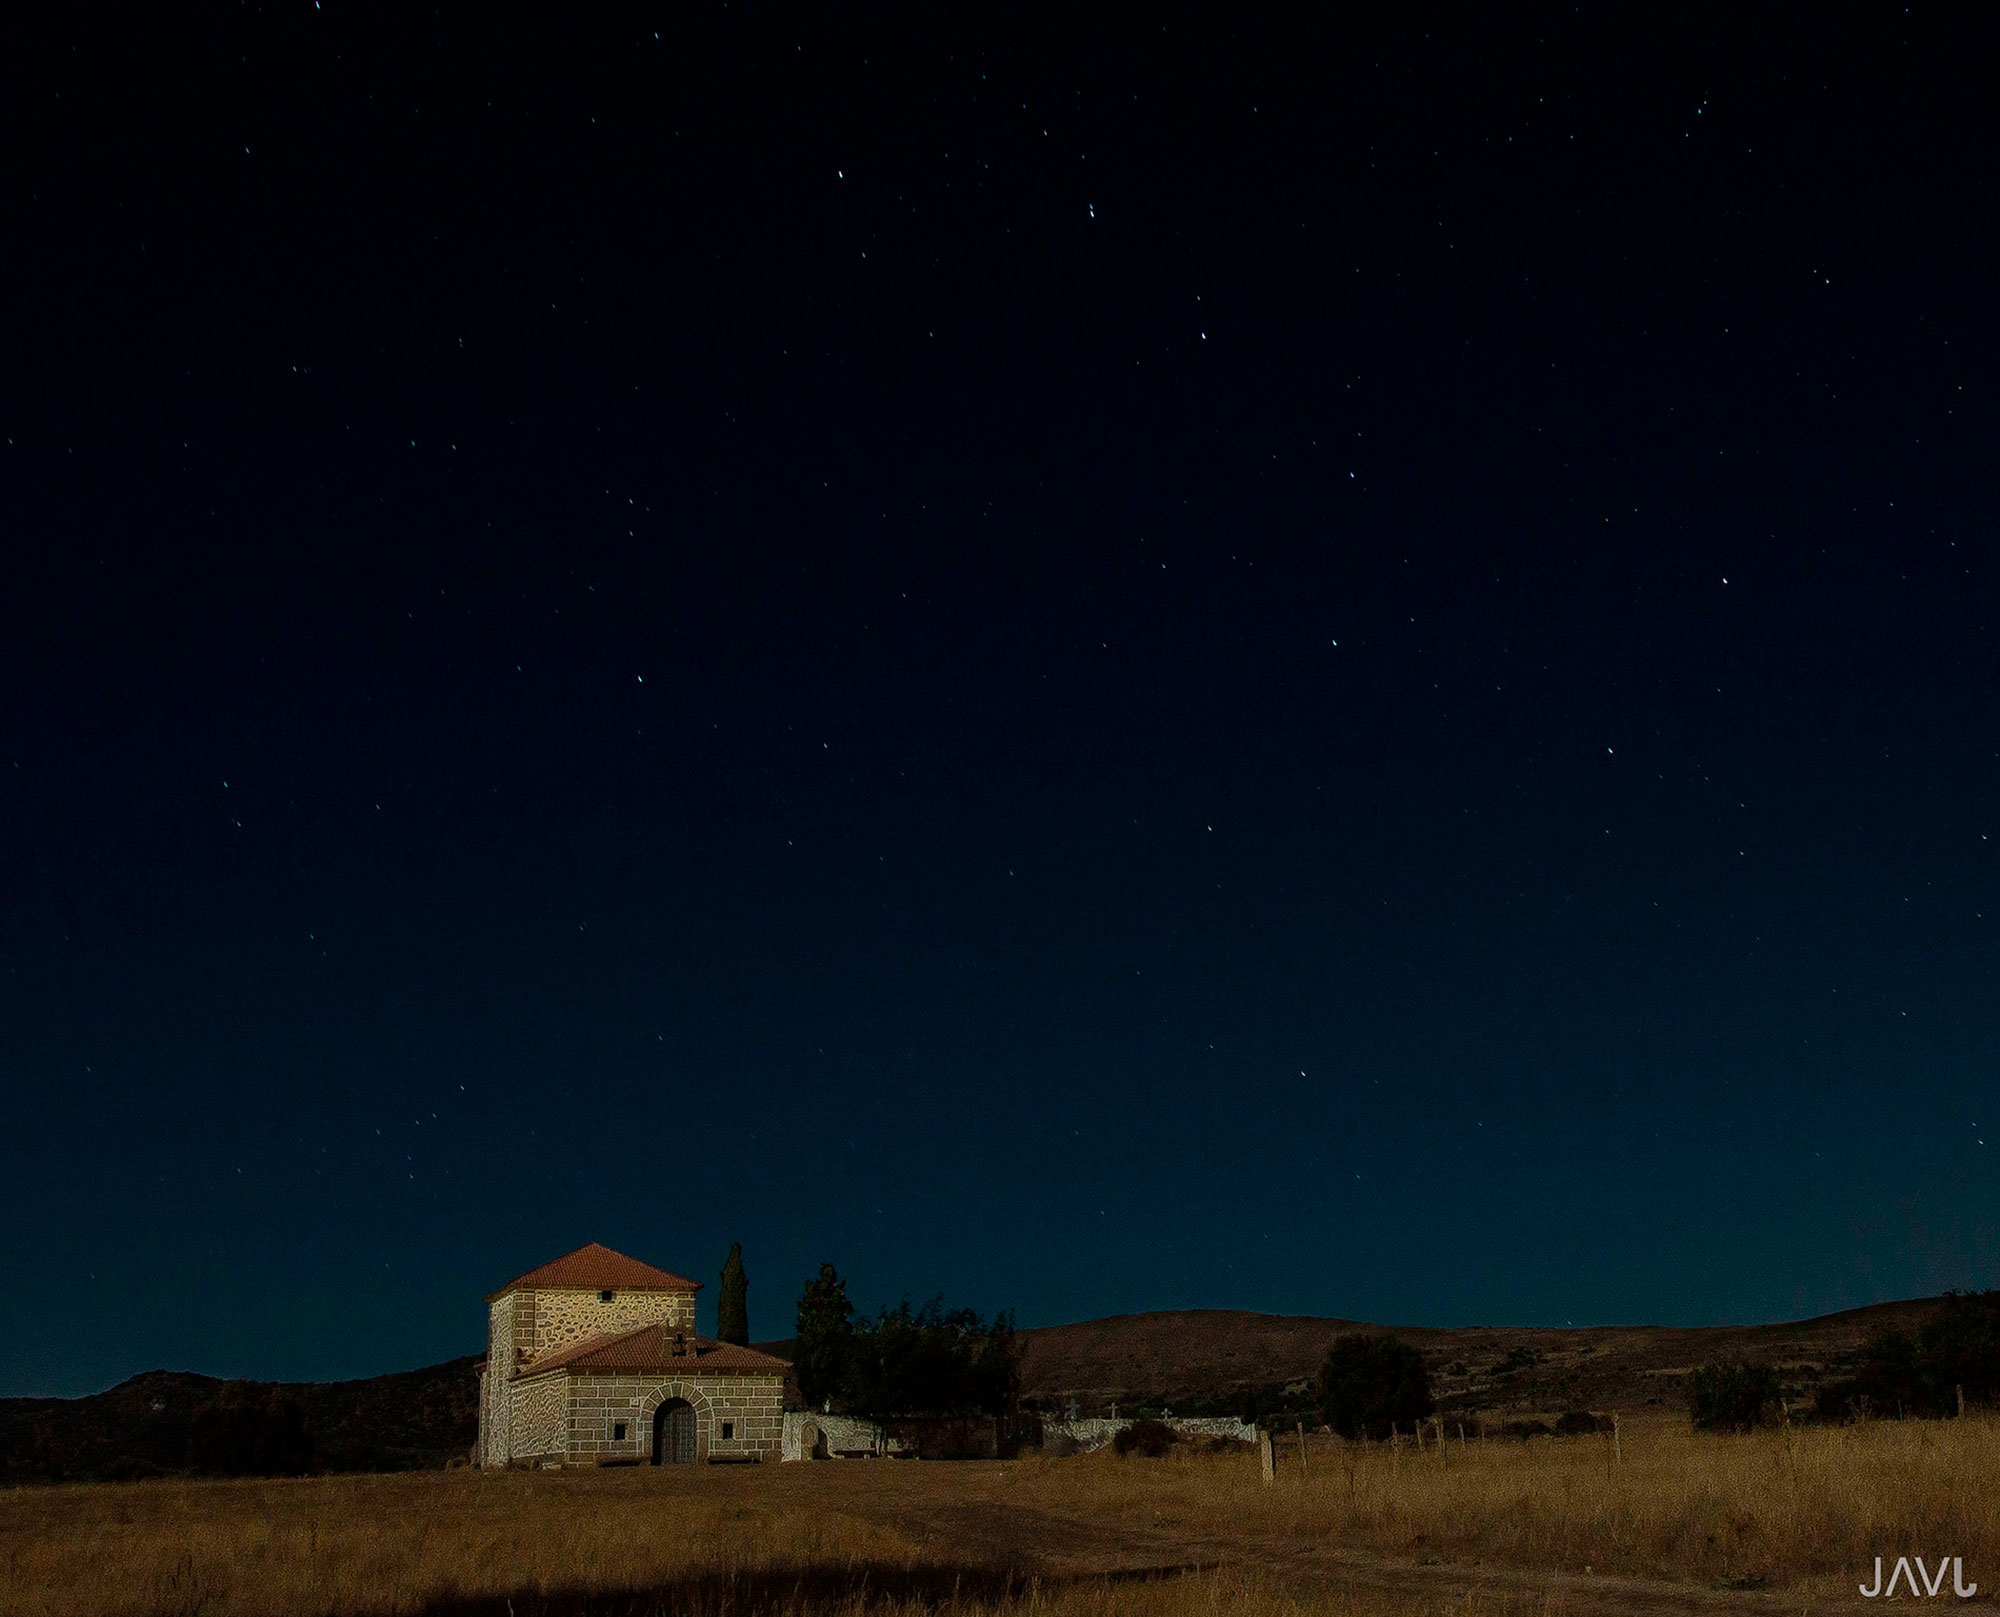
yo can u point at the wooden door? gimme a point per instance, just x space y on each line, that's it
673 1433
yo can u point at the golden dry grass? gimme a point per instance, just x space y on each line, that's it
1502 1528
1780 1506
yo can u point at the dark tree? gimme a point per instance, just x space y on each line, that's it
1732 1397
1369 1383
932 1361
1890 1379
994 1376
732 1302
1924 1374
825 1338
1961 1349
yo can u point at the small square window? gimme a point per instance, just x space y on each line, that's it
618 1431
604 1296
728 1430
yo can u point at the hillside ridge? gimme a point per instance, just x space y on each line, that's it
1220 1357
164 1422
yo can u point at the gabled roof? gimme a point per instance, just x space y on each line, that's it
650 1350
596 1268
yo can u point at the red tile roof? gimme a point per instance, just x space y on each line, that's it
650 1349
596 1268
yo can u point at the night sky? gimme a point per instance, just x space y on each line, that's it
1116 668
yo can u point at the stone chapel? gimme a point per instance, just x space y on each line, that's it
592 1360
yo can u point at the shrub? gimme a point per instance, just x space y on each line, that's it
1732 1397
1580 1423
1921 1375
1150 1438
1371 1383
1961 1348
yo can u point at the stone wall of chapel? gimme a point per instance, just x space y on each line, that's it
480 1454
518 1423
521 1331
496 1402
539 1426
752 1405
557 1319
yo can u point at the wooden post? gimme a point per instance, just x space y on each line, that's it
1302 1448
1264 1454
1617 1443
1961 1400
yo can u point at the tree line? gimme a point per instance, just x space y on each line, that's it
907 1360
1951 1361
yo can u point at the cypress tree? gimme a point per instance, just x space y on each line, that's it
732 1303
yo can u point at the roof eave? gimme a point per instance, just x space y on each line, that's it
687 1290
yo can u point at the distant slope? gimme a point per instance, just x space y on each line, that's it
165 1422
1219 1355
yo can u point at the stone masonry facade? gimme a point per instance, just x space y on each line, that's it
563 1419
523 1326
751 1408
538 1419
572 1415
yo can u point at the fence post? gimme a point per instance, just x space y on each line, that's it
1617 1443
1264 1454
1302 1448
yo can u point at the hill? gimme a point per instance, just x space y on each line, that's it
1228 1360
167 1421
1197 1360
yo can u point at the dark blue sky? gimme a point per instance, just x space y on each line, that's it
1341 673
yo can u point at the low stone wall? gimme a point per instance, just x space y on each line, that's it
810 1436
1091 1435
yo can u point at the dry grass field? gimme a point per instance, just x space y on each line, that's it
1768 1523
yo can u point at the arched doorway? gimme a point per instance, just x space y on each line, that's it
673 1433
